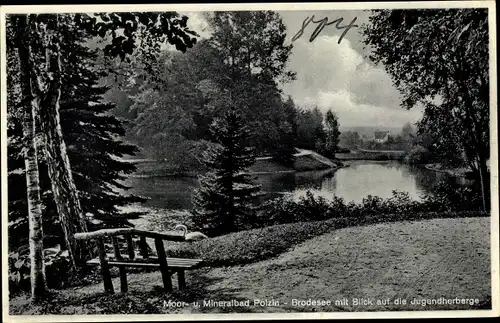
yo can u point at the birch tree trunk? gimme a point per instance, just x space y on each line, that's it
63 185
31 104
44 88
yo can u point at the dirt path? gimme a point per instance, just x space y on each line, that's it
407 260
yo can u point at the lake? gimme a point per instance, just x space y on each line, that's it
359 179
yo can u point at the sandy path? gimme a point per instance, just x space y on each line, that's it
429 259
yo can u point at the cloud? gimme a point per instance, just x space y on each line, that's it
333 75
322 65
353 114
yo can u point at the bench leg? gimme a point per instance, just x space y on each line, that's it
123 279
167 282
182 279
108 283
106 276
162 259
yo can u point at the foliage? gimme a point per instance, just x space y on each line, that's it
447 198
282 135
172 104
91 136
332 134
418 155
350 139
36 41
310 131
252 45
252 42
223 200
151 28
450 197
438 59
57 266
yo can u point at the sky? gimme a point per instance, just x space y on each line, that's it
336 76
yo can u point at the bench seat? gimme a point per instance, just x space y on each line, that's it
174 263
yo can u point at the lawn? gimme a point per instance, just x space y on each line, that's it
320 260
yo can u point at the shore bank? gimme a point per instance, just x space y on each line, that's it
305 160
456 172
371 155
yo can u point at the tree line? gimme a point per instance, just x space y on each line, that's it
242 62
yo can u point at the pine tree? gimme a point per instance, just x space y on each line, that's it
223 200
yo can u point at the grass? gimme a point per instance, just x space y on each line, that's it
260 244
409 259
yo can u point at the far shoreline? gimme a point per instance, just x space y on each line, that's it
304 162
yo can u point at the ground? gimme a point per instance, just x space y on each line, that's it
430 259
408 260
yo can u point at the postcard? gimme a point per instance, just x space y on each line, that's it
249 161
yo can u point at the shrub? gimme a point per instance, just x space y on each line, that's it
57 266
418 155
450 197
447 197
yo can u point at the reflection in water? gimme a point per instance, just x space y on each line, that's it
353 183
164 192
362 179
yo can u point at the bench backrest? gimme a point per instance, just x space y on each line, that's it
128 234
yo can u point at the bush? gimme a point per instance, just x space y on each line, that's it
447 197
57 266
418 155
450 197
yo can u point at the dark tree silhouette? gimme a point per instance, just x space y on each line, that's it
223 201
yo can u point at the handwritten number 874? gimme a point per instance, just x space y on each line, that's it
322 23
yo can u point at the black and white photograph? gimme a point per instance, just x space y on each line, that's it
165 162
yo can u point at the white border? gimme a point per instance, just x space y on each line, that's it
495 292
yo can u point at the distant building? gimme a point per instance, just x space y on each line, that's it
382 136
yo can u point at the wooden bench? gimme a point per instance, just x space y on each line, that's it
168 266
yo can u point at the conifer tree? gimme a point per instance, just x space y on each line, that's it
223 200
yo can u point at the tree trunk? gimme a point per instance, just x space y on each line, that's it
63 185
31 104
484 183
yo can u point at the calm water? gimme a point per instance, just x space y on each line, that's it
352 183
